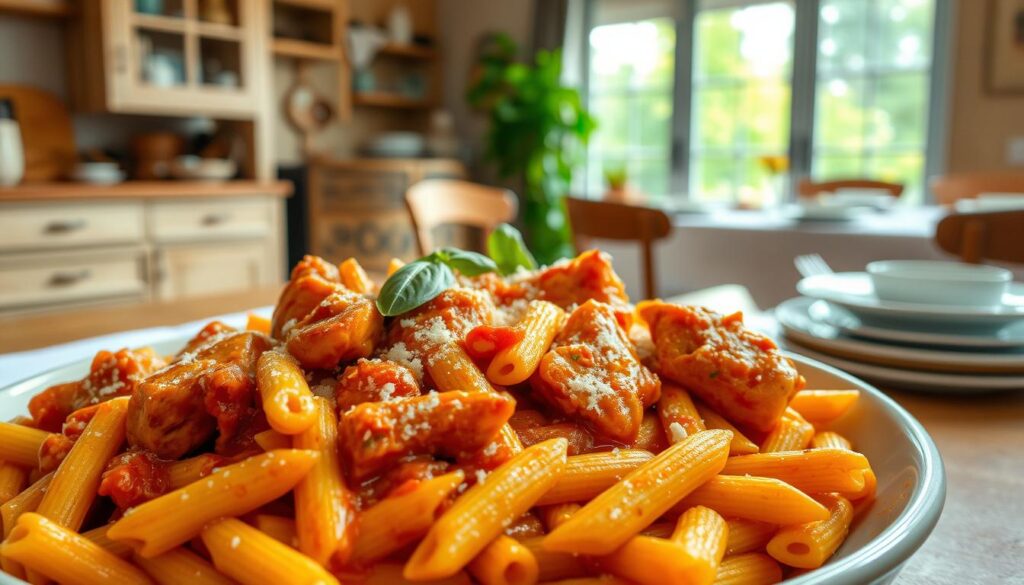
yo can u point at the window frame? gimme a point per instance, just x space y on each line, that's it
803 82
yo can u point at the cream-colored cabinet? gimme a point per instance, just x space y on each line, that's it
59 253
193 270
186 57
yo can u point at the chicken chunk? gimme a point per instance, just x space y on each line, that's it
344 326
375 435
738 372
589 276
592 373
374 381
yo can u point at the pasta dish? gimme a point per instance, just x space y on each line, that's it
468 421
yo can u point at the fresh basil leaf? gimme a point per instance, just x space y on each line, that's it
412 285
506 247
467 263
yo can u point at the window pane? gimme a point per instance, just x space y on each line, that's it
632 65
741 99
872 90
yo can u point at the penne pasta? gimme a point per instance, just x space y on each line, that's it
252 558
791 433
270 439
830 440
180 565
287 400
690 555
623 510
99 537
13 479
391 574
254 322
539 325
481 513
554 565
556 514
812 471
20 444
168 521
651 437
809 545
26 501
586 476
679 416
393 265
279 528
324 508
748 536
49 549
504 562
822 406
183 472
73 488
740 444
379 535
453 369
748 569
354 277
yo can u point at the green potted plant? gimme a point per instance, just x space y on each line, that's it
538 131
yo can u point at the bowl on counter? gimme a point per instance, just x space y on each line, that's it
97 173
194 168
939 283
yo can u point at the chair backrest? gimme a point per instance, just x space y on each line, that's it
949 189
434 202
618 221
809 188
974 237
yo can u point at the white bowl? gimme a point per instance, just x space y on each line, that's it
911 481
194 168
939 283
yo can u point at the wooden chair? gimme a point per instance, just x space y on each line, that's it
949 189
974 237
434 202
809 188
618 221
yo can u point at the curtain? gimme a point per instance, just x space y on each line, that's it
549 18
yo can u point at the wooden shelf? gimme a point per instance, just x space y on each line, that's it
408 51
169 24
53 8
390 100
143 189
223 32
305 50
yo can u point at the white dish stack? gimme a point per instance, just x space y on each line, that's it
934 326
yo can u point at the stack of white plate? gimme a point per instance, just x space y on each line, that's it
961 348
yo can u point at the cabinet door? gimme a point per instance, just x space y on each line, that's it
198 270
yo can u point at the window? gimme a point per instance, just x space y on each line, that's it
742 64
842 86
631 81
872 88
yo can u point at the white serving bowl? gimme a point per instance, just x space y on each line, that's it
939 283
911 480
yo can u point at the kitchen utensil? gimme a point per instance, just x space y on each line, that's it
47 138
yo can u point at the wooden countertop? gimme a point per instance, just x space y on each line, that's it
143 189
979 537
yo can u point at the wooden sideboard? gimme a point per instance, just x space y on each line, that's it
357 208
64 245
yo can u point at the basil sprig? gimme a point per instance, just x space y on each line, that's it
422 280
506 247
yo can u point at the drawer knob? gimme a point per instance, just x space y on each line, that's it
64 226
215 219
63 279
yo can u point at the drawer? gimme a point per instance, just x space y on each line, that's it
211 219
64 225
32 280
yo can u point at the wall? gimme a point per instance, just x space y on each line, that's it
981 124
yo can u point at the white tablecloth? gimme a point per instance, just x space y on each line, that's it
25 364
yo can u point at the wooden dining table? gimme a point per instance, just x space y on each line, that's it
979 537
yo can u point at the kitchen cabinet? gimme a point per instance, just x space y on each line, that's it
66 245
168 57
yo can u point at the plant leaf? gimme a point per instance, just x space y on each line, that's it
506 247
467 263
412 285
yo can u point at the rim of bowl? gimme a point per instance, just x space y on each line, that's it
938 271
885 553
888 551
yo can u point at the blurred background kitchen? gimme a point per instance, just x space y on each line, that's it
167 150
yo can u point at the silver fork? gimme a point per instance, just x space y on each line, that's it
811 265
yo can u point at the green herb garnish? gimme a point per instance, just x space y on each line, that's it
506 247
